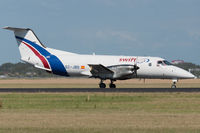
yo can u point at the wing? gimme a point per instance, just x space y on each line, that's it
100 71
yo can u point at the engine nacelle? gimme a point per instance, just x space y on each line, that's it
122 72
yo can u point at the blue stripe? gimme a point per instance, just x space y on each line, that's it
55 63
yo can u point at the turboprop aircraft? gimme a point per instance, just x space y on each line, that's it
103 67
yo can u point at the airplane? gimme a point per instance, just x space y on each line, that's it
103 67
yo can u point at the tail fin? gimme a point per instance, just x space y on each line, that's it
34 52
31 49
25 33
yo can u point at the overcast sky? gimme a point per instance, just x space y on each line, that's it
164 28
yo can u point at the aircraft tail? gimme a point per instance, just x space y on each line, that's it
25 33
31 49
34 52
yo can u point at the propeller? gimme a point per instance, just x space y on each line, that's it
135 67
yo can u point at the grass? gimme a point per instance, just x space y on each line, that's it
100 112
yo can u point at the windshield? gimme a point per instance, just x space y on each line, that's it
164 62
167 62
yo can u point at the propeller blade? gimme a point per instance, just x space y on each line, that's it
135 67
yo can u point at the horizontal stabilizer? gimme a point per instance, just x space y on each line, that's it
15 29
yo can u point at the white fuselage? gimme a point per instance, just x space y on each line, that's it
97 66
78 65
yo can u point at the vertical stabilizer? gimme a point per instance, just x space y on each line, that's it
34 52
31 49
25 33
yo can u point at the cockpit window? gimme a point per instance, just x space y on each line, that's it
164 62
167 62
160 62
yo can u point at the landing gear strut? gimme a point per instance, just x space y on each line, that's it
112 85
174 83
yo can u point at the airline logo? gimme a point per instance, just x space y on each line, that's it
139 60
127 59
41 57
143 60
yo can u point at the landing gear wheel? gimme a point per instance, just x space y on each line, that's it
174 83
102 85
173 86
112 86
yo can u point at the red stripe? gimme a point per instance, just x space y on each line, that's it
44 61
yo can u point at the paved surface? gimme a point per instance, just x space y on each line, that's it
36 90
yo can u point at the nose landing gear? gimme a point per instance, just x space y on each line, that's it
174 83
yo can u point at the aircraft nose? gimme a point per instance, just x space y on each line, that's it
189 75
185 74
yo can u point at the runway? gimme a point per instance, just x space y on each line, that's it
127 90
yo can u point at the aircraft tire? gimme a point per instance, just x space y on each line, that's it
102 85
173 86
112 86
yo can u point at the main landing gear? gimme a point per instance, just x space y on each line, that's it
174 81
103 85
112 85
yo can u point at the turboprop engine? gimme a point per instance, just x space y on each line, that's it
122 72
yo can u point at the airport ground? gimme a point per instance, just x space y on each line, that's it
93 83
98 112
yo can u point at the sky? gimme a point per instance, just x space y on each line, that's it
165 28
